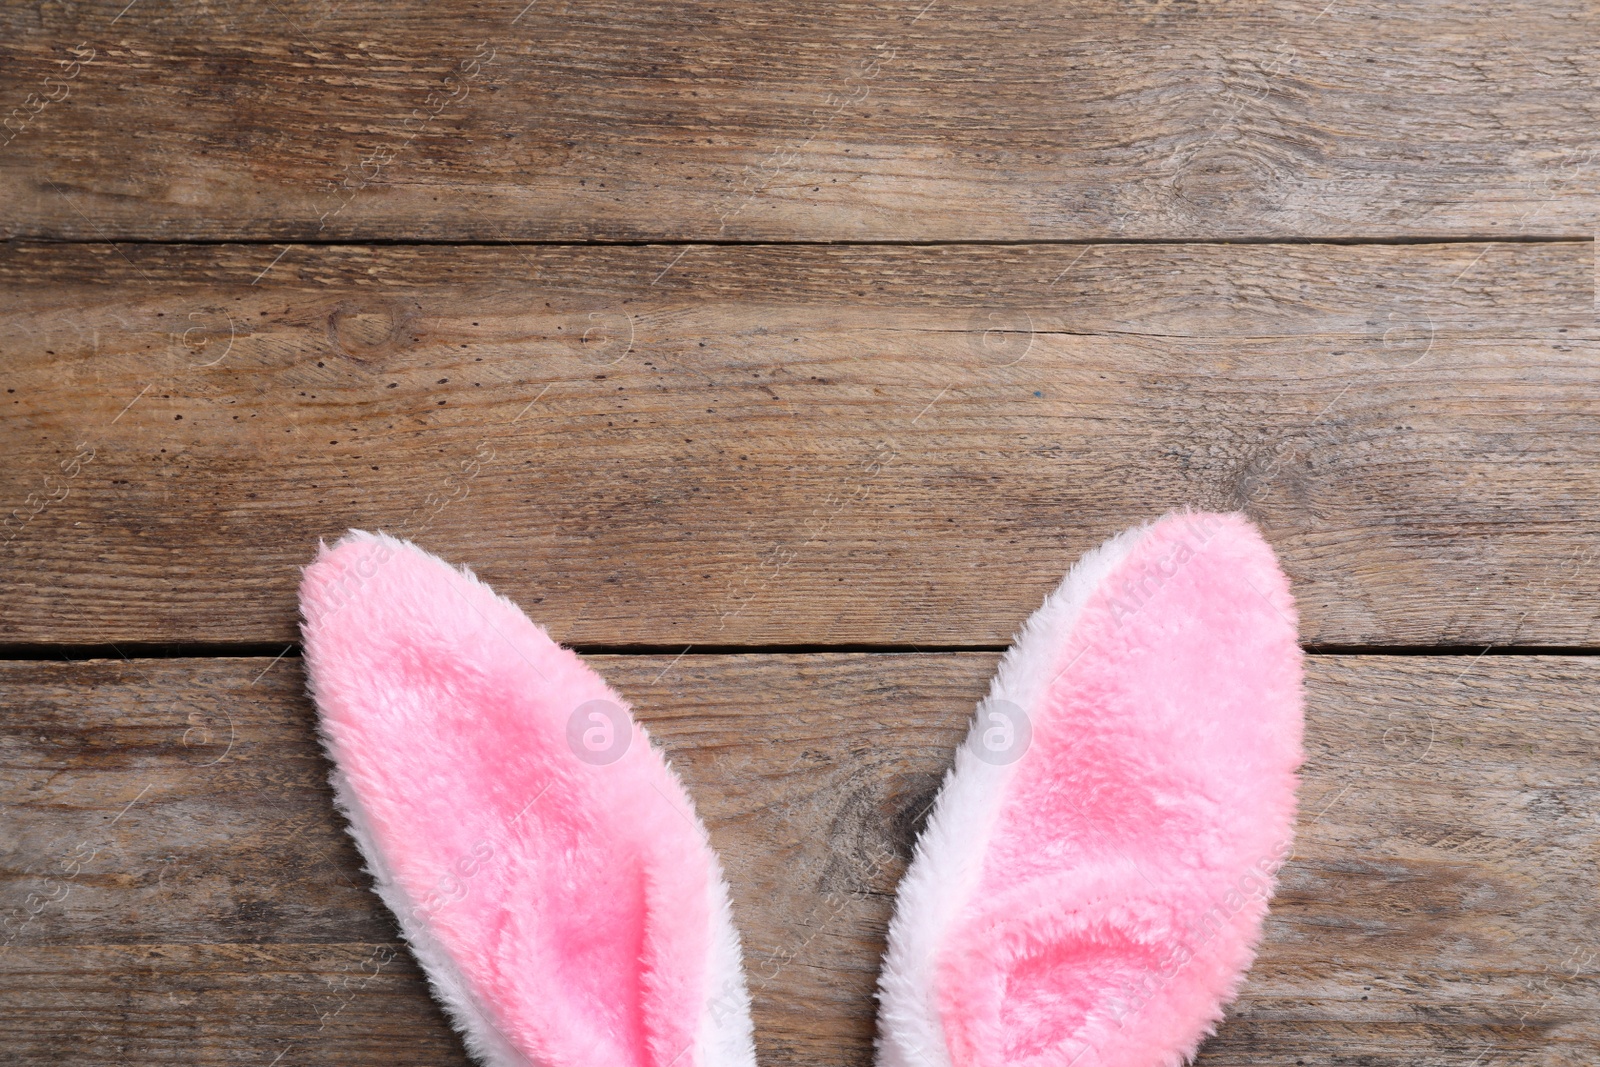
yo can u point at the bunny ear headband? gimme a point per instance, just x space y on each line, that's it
1089 888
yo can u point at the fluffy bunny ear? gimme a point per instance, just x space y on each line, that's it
1091 885
545 864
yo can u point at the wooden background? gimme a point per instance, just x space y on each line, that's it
781 360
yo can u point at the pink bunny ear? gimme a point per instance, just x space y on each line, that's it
1091 885
544 863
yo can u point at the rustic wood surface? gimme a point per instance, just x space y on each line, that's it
177 887
735 446
492 276
886 120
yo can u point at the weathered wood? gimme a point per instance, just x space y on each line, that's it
892 119
197 900
799 445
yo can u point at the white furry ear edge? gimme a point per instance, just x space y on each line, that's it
726 1035
949 853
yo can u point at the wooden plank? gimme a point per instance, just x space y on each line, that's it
346 1004
733 446
170 823
884 120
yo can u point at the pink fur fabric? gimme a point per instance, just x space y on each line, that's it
546 866
1093 880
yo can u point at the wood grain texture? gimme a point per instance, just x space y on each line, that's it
176 885
885 120
729 446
